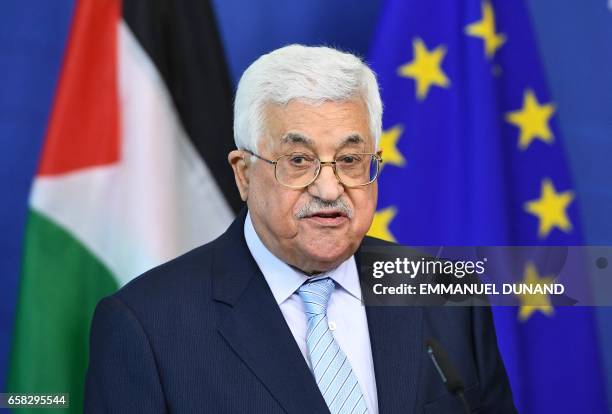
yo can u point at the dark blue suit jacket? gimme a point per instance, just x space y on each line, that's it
203 333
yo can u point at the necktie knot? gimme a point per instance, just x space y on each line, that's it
315 295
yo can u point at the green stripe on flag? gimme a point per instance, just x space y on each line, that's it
61 283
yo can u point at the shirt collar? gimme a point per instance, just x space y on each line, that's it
284 280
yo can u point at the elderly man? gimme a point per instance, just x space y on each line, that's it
268 318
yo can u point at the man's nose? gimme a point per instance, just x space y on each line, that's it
326 186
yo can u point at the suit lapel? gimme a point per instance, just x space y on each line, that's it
397 346
256 329
396 338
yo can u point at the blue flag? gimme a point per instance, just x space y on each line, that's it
473 156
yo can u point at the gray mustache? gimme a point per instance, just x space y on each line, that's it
316 205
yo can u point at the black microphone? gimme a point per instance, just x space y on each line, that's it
447 371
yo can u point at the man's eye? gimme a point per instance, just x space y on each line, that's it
348 159
300 160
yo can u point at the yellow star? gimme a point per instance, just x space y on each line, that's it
425 68
485 29
550 209
380 224
388 144
532 302
532 120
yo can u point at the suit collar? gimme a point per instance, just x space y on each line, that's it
233 265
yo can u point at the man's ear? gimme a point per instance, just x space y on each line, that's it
236 158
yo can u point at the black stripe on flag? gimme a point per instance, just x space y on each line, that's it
182 40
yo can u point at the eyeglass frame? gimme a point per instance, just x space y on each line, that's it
375 155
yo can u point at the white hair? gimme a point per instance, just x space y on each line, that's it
311 74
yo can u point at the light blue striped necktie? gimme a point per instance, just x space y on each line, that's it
330 366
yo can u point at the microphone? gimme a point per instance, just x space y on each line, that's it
447 371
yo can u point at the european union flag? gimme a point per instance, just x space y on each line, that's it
473 156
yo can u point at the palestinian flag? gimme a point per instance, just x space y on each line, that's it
133 173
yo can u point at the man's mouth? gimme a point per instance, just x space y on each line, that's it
328 218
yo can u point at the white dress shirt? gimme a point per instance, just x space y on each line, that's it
345 313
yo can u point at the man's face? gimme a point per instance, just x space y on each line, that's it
318 227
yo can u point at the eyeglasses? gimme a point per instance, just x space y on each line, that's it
299 170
